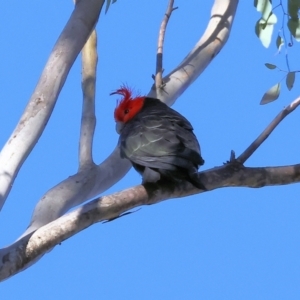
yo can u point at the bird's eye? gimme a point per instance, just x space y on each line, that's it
126 111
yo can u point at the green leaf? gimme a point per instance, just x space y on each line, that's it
265 25
271 95
107 5
264 29
294 27
108 2
270 66
264 7
290 80
279 42
293 8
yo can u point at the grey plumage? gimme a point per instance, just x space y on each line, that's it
161 144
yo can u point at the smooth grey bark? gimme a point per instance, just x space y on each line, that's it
21 255
41 104
90 182
92 179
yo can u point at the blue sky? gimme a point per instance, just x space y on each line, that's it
231 243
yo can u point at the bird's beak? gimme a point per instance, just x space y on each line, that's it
119 126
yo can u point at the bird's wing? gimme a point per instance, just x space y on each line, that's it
160 143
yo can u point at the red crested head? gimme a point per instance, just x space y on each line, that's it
128 106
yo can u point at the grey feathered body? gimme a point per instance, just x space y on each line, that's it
161 144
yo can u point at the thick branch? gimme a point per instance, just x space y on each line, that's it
77 189
109 207
91 182
80 186
160 46
43 99
88 119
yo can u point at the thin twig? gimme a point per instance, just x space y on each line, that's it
264 135
88 119
161 37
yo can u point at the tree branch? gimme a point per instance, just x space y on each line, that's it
210 44
93 181
265 134
32 246
89 182
88 119
74 189
43 99
160 46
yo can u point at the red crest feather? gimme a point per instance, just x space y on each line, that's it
127 107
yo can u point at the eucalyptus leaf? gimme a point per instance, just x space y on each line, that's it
271 95
293 8
294 27
279 42
107 5
290 80
264 7
270 66
264 29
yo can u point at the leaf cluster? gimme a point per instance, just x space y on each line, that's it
264 30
